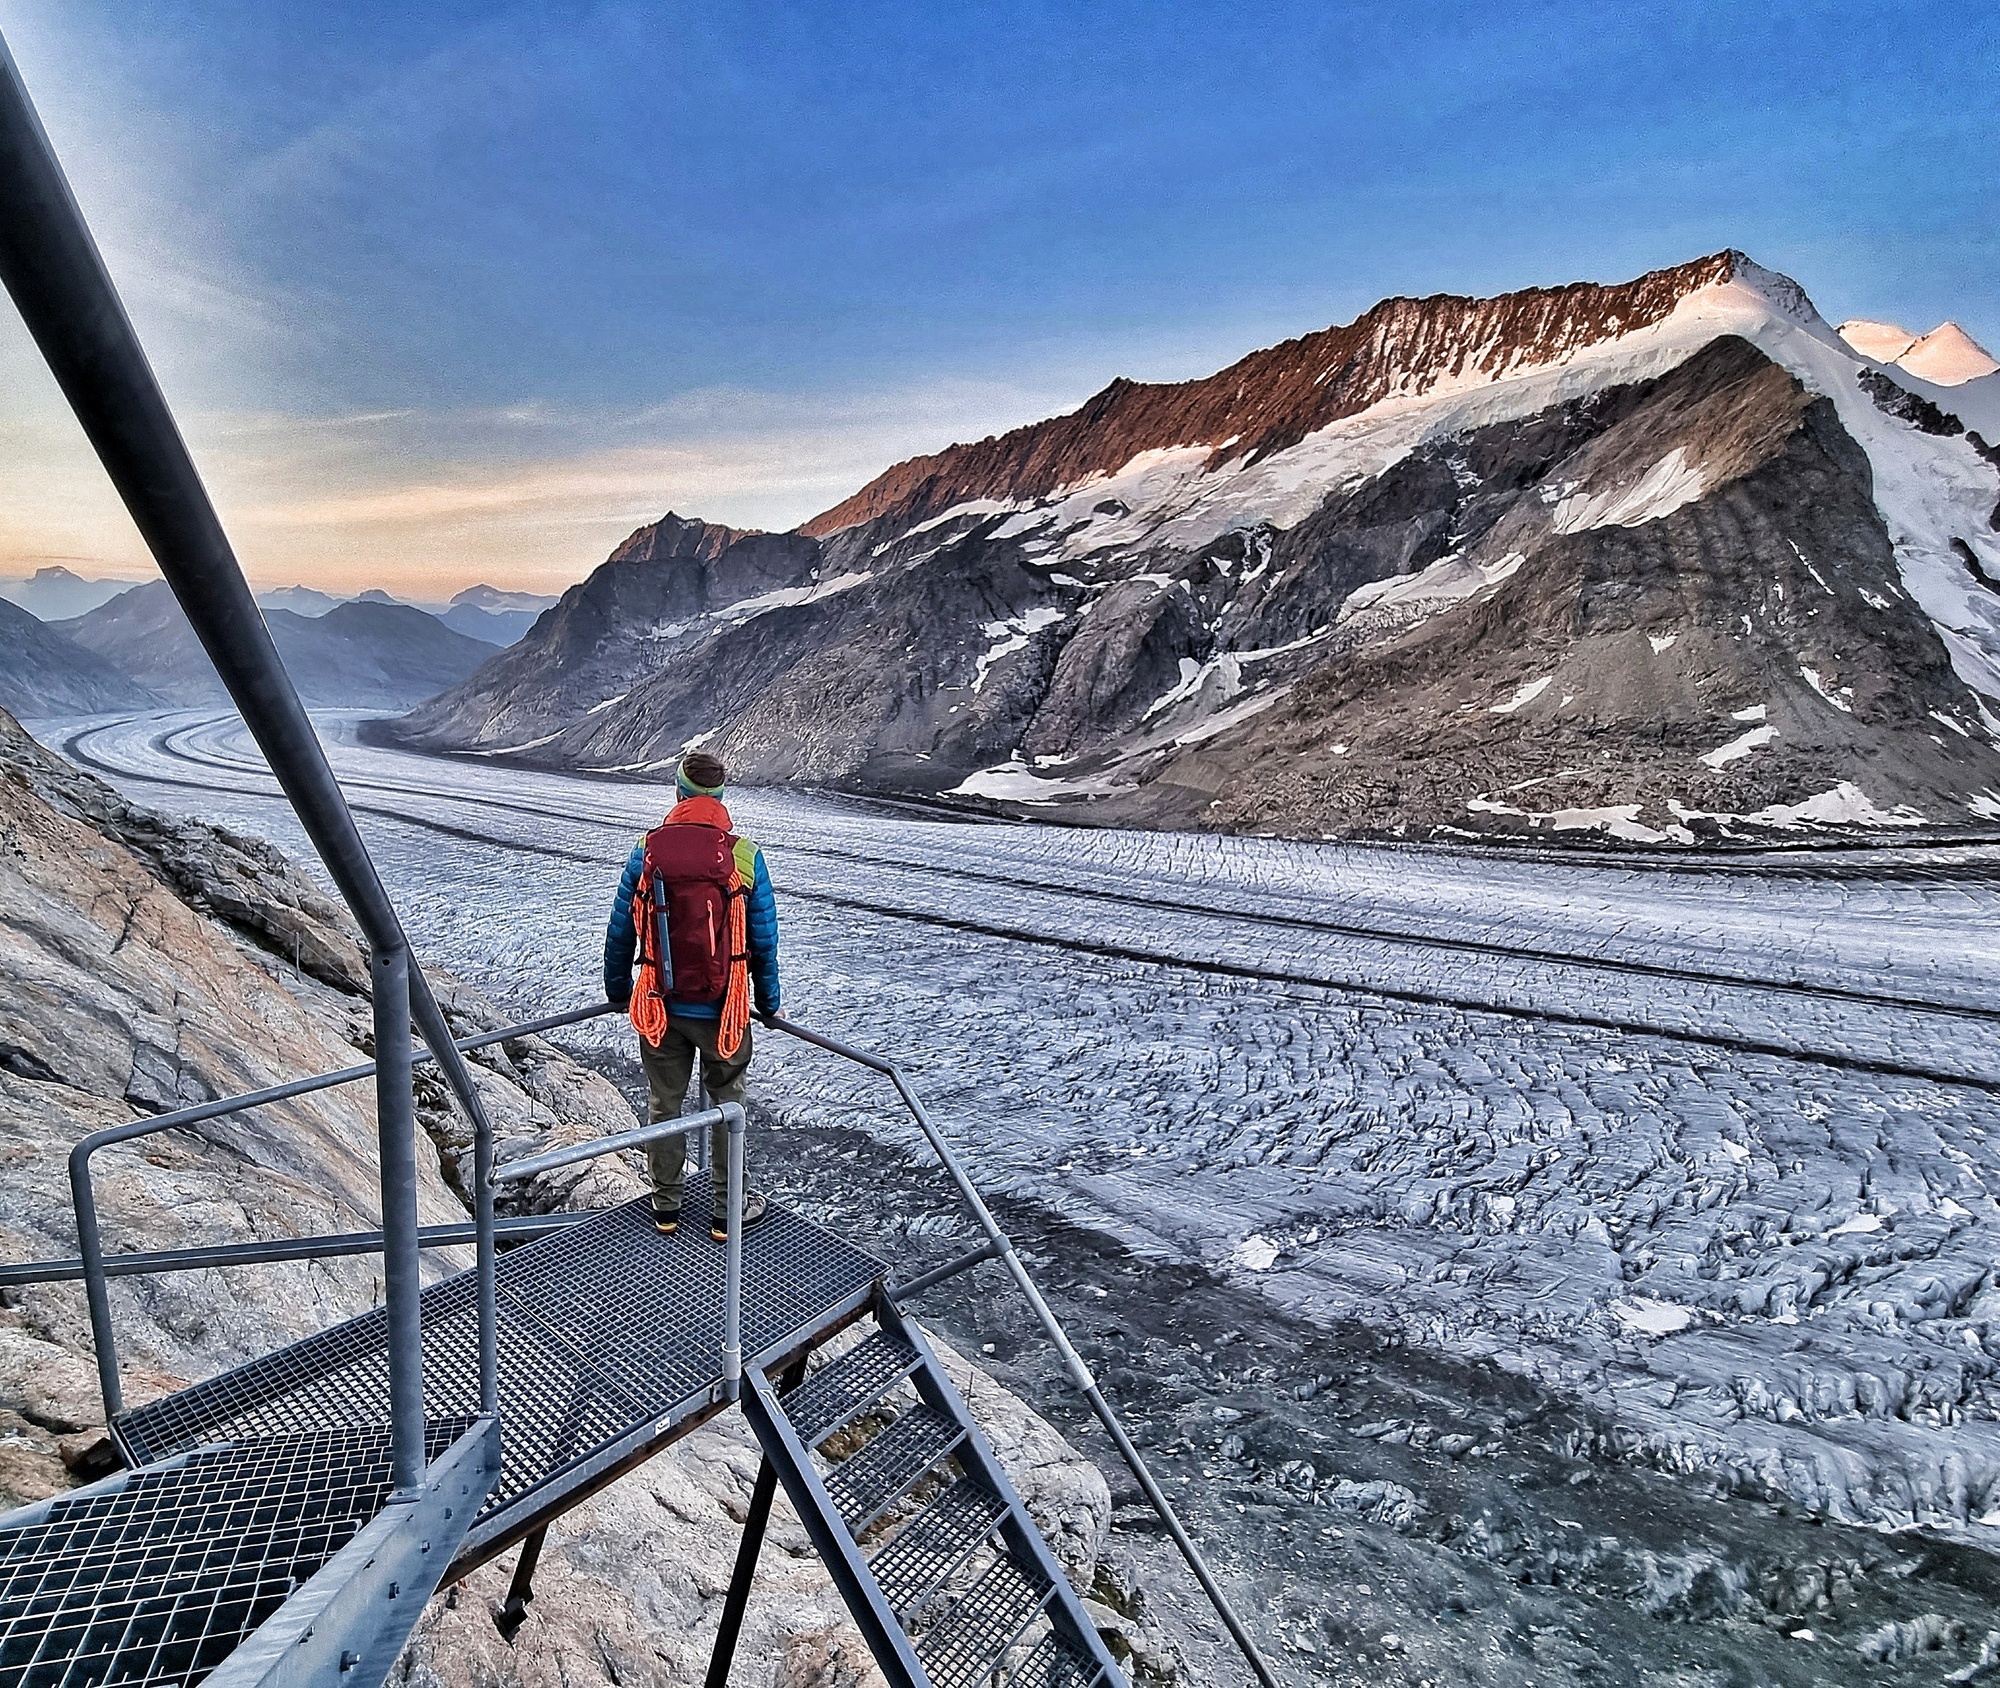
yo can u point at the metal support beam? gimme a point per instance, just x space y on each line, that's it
901 1292
762 1493
402 1274
521 1590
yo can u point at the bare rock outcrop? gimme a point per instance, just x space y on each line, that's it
148 963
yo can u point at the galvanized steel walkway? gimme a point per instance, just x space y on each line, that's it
610 1346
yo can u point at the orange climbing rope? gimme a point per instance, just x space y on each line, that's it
736 997
649 1000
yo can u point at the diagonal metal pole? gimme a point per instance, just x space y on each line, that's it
1001 1248
58 281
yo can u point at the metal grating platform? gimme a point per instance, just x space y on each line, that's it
610 1336
150 1582
935 1543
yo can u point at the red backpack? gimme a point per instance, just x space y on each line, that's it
690 912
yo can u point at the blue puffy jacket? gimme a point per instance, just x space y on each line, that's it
621 938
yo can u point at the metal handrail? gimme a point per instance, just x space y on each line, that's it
83 1195
1001 1248
729 1114
145 1263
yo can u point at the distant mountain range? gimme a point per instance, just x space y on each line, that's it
138 652
357 654
56 593
486 613
1663 560
44 672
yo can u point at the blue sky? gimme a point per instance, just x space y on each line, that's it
450 292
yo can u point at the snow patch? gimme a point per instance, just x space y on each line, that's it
1723 754
1846 804
1655 1318
1841 697
1661 641
1226 670
785 597
1255 1253
1527 694
1013 635
1663 489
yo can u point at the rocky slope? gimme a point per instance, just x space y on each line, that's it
1666 561
148 962
43 672
378 655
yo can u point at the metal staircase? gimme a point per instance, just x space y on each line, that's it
945 1573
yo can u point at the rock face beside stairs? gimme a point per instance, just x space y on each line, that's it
148 962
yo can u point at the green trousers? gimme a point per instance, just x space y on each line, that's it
668 1069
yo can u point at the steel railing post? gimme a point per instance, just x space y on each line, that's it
732 1260
486 1256
90 1247
395 1128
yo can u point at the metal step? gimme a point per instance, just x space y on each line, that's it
849 1386
935 1543
965 1593
1054 1664
969 1643
867 1484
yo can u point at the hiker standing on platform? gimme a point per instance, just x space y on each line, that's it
696 911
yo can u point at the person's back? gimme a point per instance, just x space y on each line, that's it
696 911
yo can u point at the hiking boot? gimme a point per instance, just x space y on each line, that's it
666 1222
753 1210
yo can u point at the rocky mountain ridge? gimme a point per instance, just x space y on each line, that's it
1274 398
45 672
1662 561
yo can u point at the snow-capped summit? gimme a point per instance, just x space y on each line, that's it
1945 357
1666 559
